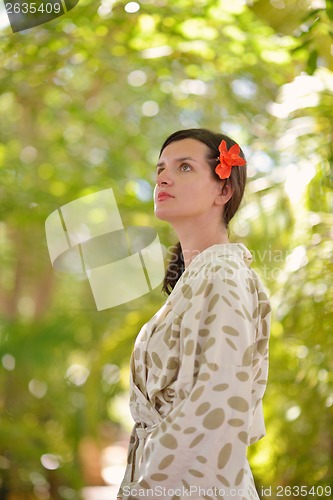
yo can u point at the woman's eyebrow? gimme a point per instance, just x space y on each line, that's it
177 160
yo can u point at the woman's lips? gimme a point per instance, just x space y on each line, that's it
164 196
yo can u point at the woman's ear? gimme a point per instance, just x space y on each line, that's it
225 192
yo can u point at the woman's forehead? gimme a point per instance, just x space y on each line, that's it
185 148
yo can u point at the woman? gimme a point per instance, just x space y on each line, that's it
199 366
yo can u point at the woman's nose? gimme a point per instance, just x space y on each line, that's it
164 179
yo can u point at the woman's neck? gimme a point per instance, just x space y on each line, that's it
195 242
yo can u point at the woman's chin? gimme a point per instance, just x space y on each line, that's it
162 215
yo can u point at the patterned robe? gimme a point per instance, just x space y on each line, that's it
198 375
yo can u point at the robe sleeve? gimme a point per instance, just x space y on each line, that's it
223 318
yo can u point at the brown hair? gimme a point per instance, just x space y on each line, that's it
237 179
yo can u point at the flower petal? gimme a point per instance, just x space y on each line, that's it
223 147
223 170
234 150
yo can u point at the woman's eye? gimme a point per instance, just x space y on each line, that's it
185 167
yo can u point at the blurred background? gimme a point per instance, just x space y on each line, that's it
86 100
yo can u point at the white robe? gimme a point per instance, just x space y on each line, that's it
198 375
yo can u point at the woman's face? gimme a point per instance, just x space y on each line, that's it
183 172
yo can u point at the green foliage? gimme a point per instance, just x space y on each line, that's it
86 101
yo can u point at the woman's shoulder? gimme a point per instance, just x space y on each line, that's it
219 259
219 268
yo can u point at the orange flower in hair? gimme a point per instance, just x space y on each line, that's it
228 159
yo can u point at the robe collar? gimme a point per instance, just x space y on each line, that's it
221 250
